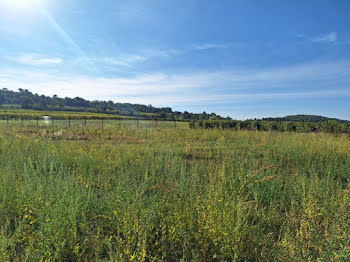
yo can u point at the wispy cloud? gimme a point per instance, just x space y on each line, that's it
232 99
127 61
196 88
326 38
35 60
132 59
208 46
331 37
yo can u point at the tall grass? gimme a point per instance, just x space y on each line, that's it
148 194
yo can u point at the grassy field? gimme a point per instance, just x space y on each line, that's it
90 123
33 114
172 194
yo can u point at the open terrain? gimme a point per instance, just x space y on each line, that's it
190 131
172 194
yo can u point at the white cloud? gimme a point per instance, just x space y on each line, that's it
207 46
203 99
127 61
331 37
35 60
326 38
197 88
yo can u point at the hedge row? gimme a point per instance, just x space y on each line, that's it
282 126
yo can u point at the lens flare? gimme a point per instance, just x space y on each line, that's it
21 4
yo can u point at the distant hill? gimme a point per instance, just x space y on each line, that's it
27 100
304 118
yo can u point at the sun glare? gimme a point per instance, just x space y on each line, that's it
21 4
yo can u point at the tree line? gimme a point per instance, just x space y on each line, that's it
27 100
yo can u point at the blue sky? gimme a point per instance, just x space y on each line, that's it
238 58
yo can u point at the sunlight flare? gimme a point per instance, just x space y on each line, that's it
21 4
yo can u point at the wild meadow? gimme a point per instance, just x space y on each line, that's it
122 193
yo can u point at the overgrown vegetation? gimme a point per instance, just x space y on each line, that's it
166 194
281 126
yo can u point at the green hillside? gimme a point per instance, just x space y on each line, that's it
304 118
24 99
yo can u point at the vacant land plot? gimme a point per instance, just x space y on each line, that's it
172 194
